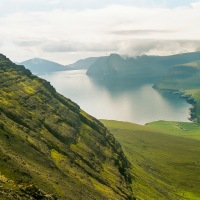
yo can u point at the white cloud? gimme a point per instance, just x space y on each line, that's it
158 47
67 35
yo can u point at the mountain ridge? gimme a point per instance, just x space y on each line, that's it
148 68
82 63
48 141
41 66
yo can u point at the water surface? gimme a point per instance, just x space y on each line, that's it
124 101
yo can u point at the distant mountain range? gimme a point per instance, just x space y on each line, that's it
149 68
83 63
42 66
144 68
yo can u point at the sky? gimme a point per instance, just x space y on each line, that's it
68 30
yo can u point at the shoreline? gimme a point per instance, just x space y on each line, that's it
187 98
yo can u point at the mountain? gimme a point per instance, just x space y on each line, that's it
42 66
50 148
82 64
183 76
147 68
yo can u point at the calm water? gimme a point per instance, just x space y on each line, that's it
133 102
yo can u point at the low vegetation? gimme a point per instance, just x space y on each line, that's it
164 157
143 68
184 78
50 148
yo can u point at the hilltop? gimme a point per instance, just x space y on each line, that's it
41 66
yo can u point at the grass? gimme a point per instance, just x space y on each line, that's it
47 141
184 77
180 129
164 157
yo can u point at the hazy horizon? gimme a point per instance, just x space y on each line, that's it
66 31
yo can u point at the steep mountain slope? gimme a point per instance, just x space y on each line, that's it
47 143
148 68
82 64
42 66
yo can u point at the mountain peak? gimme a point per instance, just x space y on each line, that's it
115 55
42 66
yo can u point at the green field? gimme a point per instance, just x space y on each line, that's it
180 129
164 156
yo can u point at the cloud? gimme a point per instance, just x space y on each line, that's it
138 32
12 6
64 46
64 35
28 43
158 47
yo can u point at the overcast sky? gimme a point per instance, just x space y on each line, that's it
67 30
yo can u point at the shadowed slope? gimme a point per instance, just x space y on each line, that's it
48 141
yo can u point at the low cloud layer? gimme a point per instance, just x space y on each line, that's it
140 32
159 47
65 35
63 46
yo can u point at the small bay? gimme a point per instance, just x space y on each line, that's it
123 101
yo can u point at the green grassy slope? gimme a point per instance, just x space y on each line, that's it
194 94
47 143
146 68
165 161
186 78
180 129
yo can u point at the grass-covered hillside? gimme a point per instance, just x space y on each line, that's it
146 68
165 155
186 78
50 148
164 158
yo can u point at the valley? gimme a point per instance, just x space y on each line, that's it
164 155
120 100
99 100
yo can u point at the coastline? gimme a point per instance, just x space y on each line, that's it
187 98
